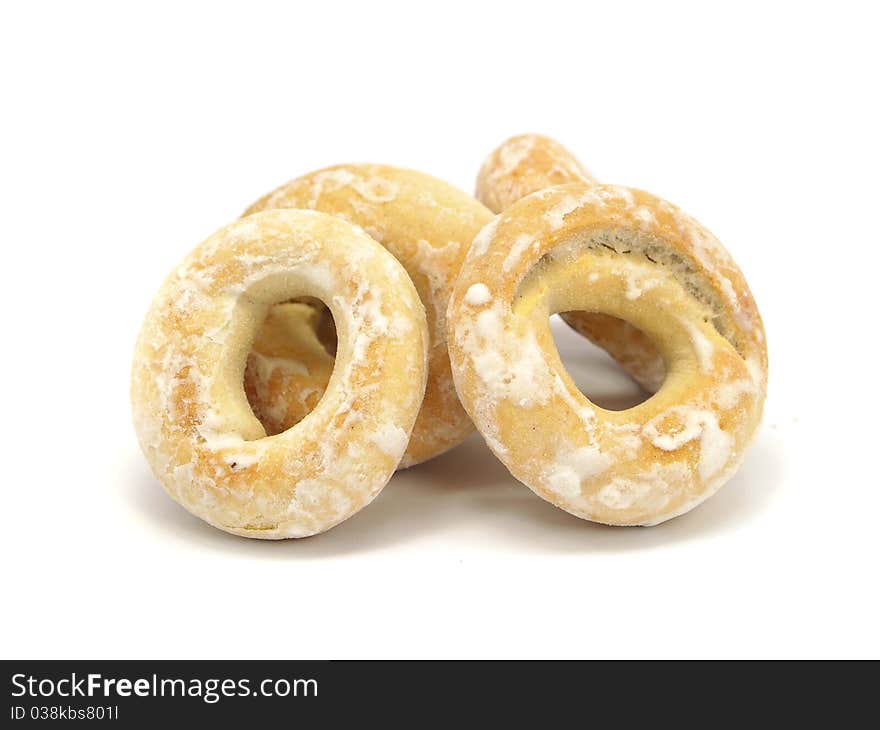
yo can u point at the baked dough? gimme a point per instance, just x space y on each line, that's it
428 226
289 367
190 412
524 164
531 162
629 255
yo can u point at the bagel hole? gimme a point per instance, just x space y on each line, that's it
290 363
599 376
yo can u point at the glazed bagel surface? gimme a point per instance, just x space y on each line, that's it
626 255
190 411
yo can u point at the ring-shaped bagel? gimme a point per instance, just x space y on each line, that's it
428 226
190 412
630 255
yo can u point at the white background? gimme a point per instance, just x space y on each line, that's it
130 134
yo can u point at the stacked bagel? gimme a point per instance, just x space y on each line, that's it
364 318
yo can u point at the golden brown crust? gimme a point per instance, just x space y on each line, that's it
190 412
428 226
523 165
627 254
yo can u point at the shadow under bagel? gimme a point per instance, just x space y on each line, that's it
467 491
467 487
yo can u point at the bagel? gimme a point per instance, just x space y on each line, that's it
428 226
190 412
628 255
530 162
